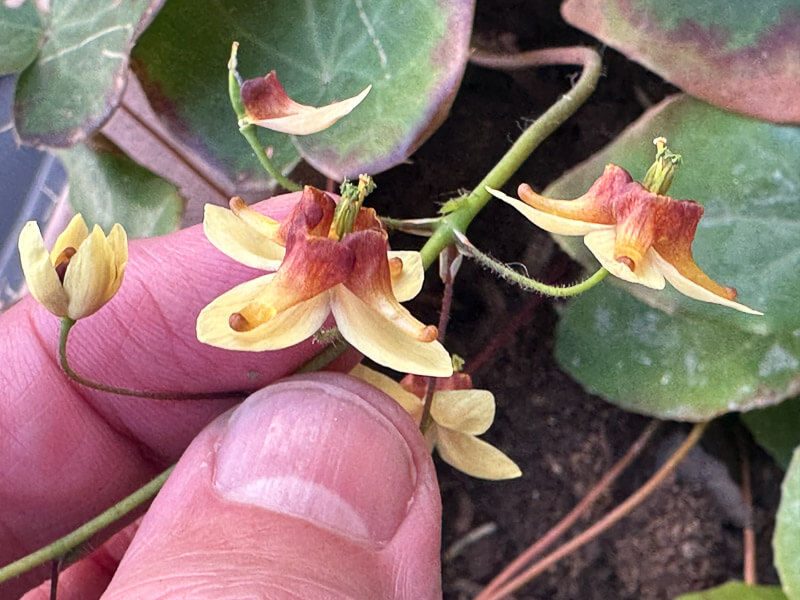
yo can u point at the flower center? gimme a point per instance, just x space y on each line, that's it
62 262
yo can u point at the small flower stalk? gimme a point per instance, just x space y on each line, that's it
458 415
319 273
80 274
638 235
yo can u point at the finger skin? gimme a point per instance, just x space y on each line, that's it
196 542
68 453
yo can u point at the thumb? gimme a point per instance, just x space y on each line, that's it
318 486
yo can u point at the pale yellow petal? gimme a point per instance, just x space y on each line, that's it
601 243
689 288
410 403
409 283
383 341
43 282
285 329
118 241
467 411
237 239
309 119
89 275
548 222
71 237
474 457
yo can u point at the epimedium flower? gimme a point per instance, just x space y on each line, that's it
637 235
353 278
458 413
267 104
82 271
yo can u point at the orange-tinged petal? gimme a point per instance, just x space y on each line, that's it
386 342
284 329
314 213
410 403
636 223
267 227
550 222
602 245
407 282
268 105
474 457
691 287
467 411
43 282
237 239
72 237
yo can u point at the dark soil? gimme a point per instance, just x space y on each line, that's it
685 537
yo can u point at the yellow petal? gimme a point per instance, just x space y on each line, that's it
409 283
71 237
548 222
689 288
601 243
410 403
240 241
309 119
467 411
285 329
118 241
382 340
474 457
90 274
43 282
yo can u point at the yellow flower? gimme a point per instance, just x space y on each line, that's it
82 271
637 235
459 414
267 105
353 278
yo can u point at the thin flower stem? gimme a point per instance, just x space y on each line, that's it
527 283
603 524
580 509
66 327
748 533
65 545
535 134
249 131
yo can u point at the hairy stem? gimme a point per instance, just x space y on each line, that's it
535 134
67 544
603 524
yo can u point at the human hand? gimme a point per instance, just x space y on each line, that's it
70 452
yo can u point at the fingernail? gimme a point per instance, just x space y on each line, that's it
321 453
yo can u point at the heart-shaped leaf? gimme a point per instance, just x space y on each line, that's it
677 357
413 53
21 31
107 187
79 75
737 54
786 540
736 590
777 429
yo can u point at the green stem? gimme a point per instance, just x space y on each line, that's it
534 135
249 131
66 327
74 539
527 283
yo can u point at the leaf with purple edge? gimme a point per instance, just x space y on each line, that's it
740 55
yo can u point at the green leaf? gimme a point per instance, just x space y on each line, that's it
78 78
786 539
413 53
107 187
736 590
777 429
677 357
737 54
21 31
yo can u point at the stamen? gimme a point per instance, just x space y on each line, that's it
62 262
238 323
